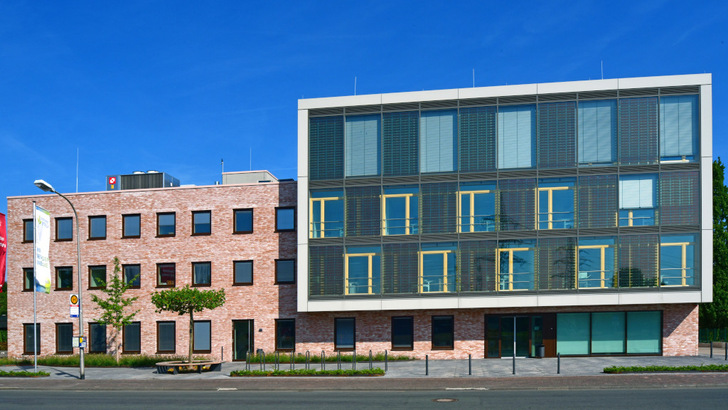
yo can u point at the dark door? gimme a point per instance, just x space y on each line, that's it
242 339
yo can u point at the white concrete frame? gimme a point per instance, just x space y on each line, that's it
596 298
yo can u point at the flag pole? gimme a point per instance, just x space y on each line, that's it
35 309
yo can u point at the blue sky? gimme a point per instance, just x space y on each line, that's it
177 85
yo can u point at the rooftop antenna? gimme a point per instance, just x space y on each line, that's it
602 61
222 167
473 78
354 85
76 169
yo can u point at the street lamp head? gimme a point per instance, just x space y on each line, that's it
44 185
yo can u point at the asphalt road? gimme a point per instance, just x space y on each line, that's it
439 399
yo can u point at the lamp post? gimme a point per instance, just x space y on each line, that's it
49 188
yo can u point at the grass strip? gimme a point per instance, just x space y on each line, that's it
331 358
92 360
653 369
23 373
303 372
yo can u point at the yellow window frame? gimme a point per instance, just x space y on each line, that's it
471 200
370 260
550 211
684 264
421 284
602 265
498 273
322 214
407 197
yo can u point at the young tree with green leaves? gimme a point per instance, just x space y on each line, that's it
715 315
187 301
114 306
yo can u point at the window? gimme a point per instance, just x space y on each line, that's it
437 268
556 135
166 337
285 219
27 230
285 334
96 277
678 128
516 204
638 261
243 221
97 227
644 332
443 332
477 139
64 338
400 262
165 275
285 271
243 273
97 338
132 338
597 132
402 333
477 205
362 271
572 333
638 131
637 200
327 214
438 208
677 260
515 266
363 211
345 333
132 275
64 229
28 280
29 337
400 211
516 134
201 223
399 143
438 135
203 337
608 332
596 263
201 274
64 278
556 203
166 224
326 147
363 139
597 201
131 226
325 267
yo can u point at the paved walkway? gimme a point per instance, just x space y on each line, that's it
576 372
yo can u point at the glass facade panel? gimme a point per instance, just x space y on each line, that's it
400 270
516 204
608 332
597 132
437 268
679 127
515 265
637 200
477 139
677 260
638 131
326 270
363 139
596 263
363 210
477 208
438 137
556 203
326 214
477 266
572 333
597 201
400 210
363 270
644 332
400 145
326 148
556 261
516 135
638 261
439 208
557 135
679 198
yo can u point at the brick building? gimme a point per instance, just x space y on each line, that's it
237 236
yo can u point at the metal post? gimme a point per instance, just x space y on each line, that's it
353 361
32 288
370 359
427 365
277 365
470 364
558 363
711 349
725 344
323 359
514 345
293 353
262 358
222 353
385 359
308 356
338 359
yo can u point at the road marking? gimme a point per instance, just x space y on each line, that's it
466 388
226 389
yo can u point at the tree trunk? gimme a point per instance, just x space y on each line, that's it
192 334
117 345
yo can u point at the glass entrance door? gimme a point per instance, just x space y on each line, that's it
500 332
242 338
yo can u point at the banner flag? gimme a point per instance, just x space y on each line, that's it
42 237
3 249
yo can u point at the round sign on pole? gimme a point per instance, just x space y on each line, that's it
74 299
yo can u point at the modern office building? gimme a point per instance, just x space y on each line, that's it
239 236
575 216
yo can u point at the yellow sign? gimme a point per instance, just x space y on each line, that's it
74 299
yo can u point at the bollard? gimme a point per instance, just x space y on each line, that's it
558 363
293 354
222 353
711 349
385 358
277 363
308 357
370 360
470 364
514 362
725 344
338 360
323 358
427 365
353 361
262 358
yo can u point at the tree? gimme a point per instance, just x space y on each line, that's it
188 301
715 315
114 306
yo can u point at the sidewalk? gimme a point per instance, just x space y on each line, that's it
576 372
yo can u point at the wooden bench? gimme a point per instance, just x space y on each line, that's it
174 367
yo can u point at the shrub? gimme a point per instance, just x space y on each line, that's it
647 369
304 372
23 373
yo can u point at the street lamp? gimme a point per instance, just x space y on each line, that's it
49 188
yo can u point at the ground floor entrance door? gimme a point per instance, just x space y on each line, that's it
505 333
243 331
